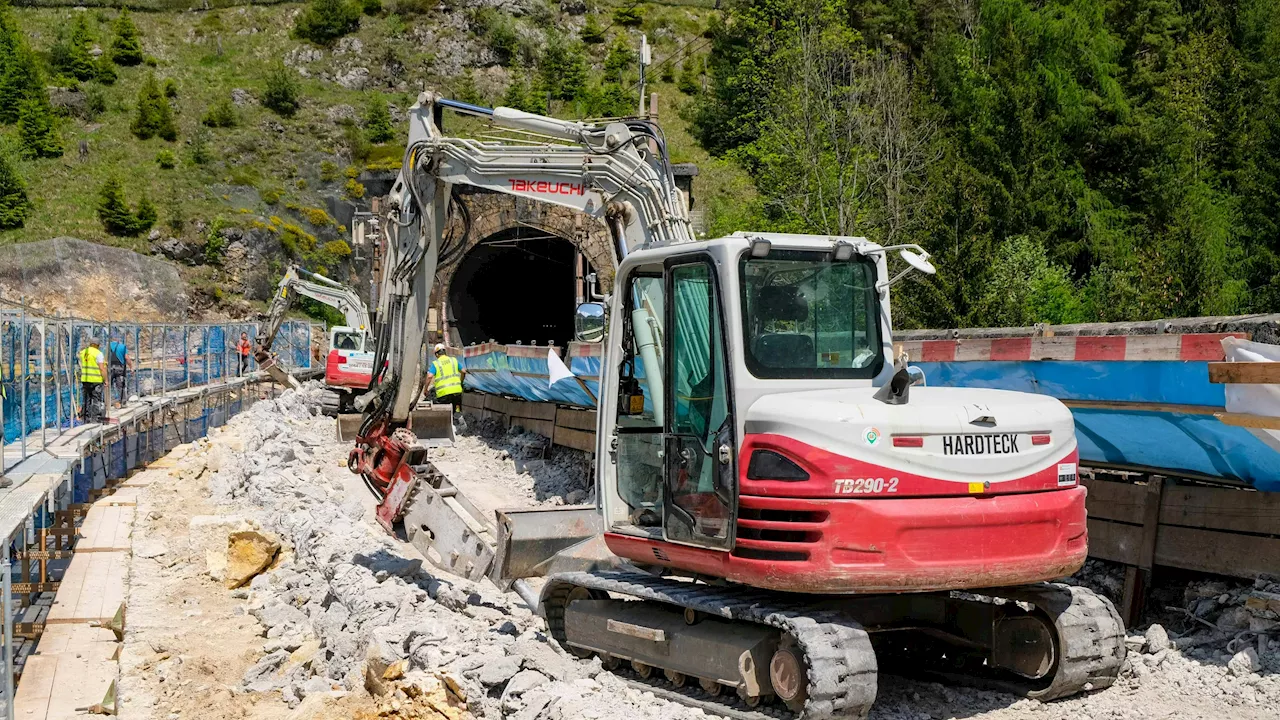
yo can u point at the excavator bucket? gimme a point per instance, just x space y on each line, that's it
432 423
277 373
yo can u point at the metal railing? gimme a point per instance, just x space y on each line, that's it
40 394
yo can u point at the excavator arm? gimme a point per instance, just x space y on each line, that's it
618 171
297 281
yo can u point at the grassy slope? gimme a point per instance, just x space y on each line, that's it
256 155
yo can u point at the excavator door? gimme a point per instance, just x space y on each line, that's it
699 498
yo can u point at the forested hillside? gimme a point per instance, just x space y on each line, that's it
1065 160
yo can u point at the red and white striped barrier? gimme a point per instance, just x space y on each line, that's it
1199 347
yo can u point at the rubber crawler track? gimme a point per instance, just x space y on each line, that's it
842 664
1090 637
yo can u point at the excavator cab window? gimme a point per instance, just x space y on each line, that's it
639 418
346 341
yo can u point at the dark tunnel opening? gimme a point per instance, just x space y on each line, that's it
516 286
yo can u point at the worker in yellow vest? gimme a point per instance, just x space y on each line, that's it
446 377
93 370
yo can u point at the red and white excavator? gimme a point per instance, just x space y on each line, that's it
348 366
786 510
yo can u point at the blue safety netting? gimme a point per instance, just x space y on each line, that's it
160 358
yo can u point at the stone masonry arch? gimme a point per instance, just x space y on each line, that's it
497 213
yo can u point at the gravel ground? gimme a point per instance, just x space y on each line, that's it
348 623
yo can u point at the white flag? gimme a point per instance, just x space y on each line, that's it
556 368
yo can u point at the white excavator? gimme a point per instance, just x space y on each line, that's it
349 364
782 509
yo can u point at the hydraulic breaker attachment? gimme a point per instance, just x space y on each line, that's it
431 423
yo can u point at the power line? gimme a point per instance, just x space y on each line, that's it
675 54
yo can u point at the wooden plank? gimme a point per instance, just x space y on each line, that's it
1244 556
1112 500
576 419
92 589
1262 422
1231 509
1114 541
1150 522
106 529
576 439
35 690
122 496
76 638
534 411
81 681
1249 373
1143 407
545 428
473 400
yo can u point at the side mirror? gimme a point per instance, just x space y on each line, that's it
917 375
588 322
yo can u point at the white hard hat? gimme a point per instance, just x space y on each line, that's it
439 348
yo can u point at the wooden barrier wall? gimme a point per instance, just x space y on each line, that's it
568 427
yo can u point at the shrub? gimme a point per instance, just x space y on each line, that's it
521 96
503 39
668 72
300 183
272 195
38 128
333 252
317 216
15 206
281 95
154 116
126 47
170 89
353 137
166 159
466 90
353 189
592 33
146 216
377 120
631 16
328 171
296 241
222 114
324 21
201 154
95 101
371 7
351 172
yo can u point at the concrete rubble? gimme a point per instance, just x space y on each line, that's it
346 611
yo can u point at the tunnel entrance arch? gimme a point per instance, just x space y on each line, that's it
520 274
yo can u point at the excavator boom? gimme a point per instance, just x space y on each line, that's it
295 282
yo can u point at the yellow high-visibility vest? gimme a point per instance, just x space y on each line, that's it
90 372
448 380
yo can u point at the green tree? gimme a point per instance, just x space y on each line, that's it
592 31
113 211
166 159
1023 288
153 116
503 39
371 7
15 206
466 90
221 114
38 127
377 120
126 46
281 94
563 69
201 153
71 53
629 16
620 60
20 76
690 75
145 218
324 21
104 71
521 96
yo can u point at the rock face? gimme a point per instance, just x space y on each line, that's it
248 553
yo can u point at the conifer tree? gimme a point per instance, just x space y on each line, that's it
154 116
324 21
70 54
145 217
126 47
112 211
38 128
377 120
592 32
281 95
15 206
19 76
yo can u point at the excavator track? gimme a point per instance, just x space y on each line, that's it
839 660
1090 638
